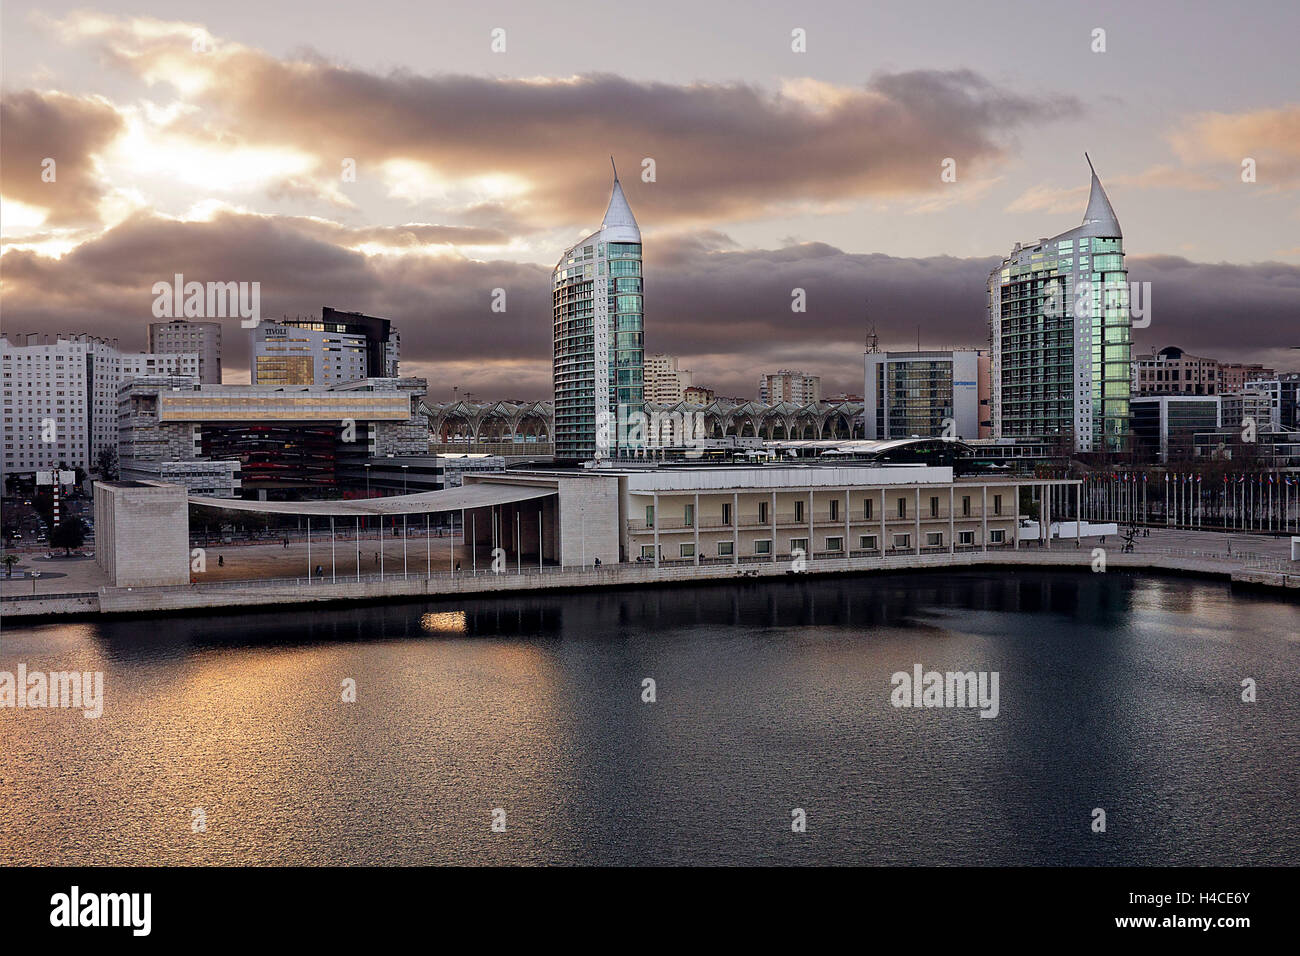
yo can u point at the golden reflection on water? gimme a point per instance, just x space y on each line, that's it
444 622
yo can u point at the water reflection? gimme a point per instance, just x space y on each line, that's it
1117 691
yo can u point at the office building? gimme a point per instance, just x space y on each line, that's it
1165 426
285 439
927 394
337 347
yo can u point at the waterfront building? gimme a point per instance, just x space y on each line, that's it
598 321
927 393
1165 426
663 515
188 336
1060 323
60 398
337 347
789 385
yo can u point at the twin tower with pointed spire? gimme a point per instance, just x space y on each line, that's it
598 325
1060 330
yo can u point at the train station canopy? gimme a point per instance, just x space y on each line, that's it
479 495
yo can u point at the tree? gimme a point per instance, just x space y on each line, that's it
71 533
9 561
106 463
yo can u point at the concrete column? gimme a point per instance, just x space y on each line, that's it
1078 513
697 525
984 515
309 551
655 499
1045 495
918 520
952 520
812 547
1015 517
773 517
735 529
882 524
848 512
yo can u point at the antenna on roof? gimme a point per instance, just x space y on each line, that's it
1090 166
611 163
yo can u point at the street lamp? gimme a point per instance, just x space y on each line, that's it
35 575
404 467
367 467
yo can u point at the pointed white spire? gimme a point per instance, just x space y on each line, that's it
1100 213
619 213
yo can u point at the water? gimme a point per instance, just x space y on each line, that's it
1116 691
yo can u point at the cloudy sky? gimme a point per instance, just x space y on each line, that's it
211 140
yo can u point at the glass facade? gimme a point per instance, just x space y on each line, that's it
598 317
1060 324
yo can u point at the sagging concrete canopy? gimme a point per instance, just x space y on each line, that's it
430 502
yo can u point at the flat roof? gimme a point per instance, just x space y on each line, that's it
430 502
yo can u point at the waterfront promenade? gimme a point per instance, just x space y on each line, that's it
249 576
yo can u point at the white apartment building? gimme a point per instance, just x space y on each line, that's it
59 399
183 336
666 381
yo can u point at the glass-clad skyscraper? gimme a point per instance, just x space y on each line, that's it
598 319
1060 331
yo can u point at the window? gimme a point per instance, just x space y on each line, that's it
965 537
688 551
997 536
725 548
902 541
690 516
965 506
834 544
934 539
799 544
867 542
835 509
902 507
798 510
997 504
762 512
648 552
934 507
866 509
726 512
649 516
763 546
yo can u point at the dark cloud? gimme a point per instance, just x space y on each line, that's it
67 129
727 313
722 151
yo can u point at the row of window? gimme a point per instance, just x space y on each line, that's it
868 507
835 544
